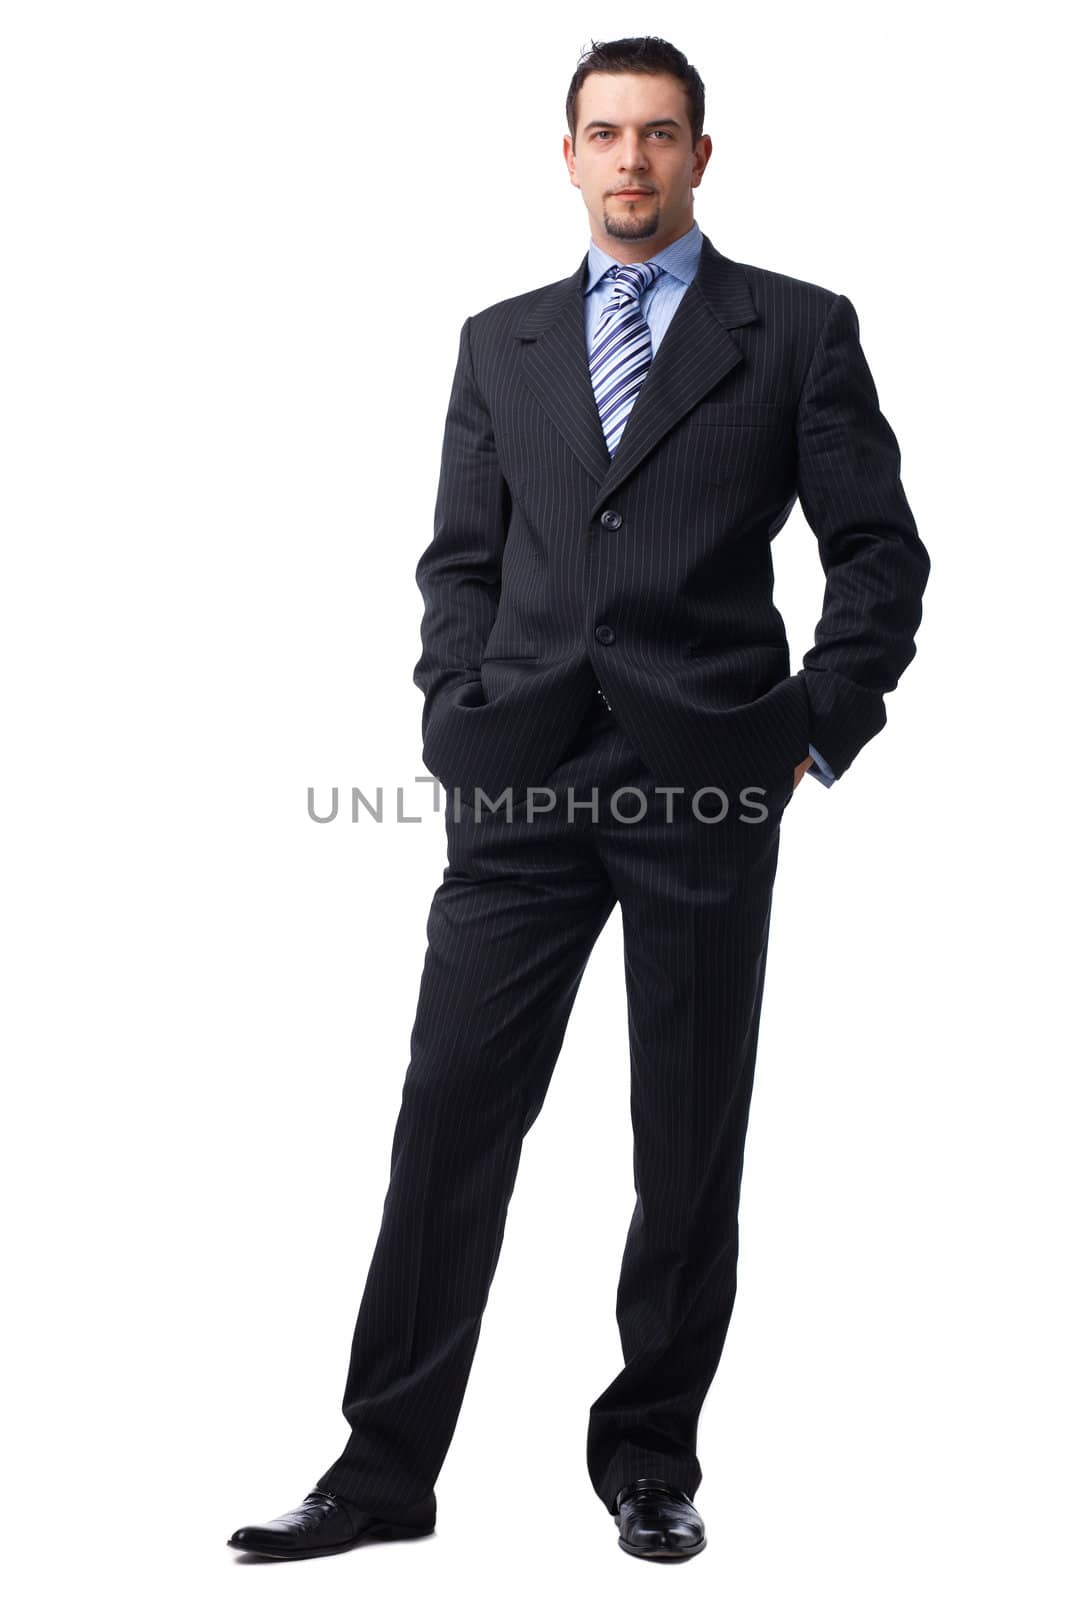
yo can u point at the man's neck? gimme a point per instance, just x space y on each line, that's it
628 252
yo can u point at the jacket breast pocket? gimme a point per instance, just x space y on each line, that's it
740 442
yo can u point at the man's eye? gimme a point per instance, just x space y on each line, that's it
605 133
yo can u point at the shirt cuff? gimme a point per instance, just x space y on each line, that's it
820 770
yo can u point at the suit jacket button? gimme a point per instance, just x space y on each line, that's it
604 634
611 519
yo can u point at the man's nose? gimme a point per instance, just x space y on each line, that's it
631 155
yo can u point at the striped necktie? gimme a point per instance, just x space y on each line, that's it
622 348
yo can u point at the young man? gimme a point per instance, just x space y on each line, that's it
621 448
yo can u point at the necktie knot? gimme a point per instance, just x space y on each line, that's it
633 278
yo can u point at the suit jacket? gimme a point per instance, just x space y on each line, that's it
554 566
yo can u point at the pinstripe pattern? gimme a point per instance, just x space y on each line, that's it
758 395
679 261
510 930
553 564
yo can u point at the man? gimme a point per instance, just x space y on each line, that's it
620 449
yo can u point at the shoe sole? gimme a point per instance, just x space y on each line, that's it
381 1530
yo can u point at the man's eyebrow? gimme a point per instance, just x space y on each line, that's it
658 122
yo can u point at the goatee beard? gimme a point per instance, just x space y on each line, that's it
632 226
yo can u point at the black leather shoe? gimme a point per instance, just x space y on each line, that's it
325 1524
658 1520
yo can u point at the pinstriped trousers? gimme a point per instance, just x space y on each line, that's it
510 930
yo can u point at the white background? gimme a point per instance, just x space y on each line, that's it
240 242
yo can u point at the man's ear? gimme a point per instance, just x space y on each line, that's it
701 157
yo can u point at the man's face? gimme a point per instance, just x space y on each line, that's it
632 134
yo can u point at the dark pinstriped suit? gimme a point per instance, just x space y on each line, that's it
553 568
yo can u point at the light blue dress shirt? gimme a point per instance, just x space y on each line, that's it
659 303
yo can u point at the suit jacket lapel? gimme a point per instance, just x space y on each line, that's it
556 367
695 354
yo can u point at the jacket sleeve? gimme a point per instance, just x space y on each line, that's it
459 572
876 566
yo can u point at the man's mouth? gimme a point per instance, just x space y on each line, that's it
631 194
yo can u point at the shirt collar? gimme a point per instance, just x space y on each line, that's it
680 259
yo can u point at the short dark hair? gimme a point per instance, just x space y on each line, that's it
648 54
